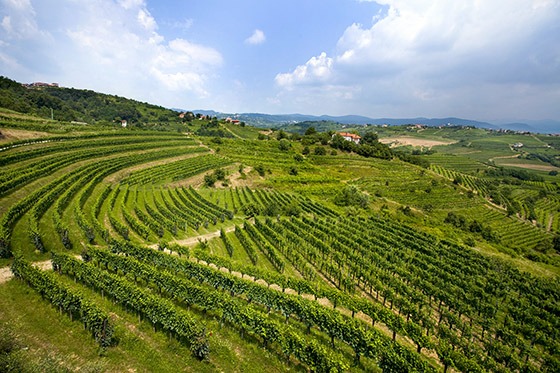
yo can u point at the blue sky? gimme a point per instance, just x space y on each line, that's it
478 59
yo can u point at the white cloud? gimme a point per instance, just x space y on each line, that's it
132 4
115 43
425 57
317 69
19 21
7 24
258 37
146 20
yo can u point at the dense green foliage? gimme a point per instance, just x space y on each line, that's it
69 104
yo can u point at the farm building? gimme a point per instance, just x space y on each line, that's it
350 137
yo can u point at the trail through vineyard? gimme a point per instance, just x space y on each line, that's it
6 273
194 240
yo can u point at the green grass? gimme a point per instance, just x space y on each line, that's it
138 347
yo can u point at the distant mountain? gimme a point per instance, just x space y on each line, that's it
547 126
277 120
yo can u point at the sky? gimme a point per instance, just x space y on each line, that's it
477 59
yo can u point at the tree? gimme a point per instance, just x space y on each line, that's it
310 131
305 150
284 145
292 209
220 174
319 150
260 169
251 209
556 243
281 135
271 209
209 180
351 196
369 138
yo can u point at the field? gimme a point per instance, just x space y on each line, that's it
169 251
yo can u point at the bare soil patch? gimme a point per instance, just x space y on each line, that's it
10 134
414 141
504 157
539 167
235 179
194 240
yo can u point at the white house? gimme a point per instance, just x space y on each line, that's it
350 137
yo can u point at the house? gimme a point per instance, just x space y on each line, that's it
233 121
518 145
39 85
350 137
124 123
182 115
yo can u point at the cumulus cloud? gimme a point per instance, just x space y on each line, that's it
423 57
117 43
317 69
146 20
258 37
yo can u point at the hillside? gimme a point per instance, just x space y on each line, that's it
78 105
212 246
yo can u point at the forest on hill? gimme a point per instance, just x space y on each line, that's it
80 105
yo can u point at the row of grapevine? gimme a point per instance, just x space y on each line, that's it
94 319
158 311
177 170
290 341
365 343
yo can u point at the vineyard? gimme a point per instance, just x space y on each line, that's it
260 268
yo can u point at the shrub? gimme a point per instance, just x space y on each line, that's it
209 180
351 196
319 150
284 145
260 169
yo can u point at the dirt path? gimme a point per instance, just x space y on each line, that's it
6 273
230 131
503 157
540 167
194 240
539 140
206 146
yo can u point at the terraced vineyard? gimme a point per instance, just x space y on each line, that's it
243 277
